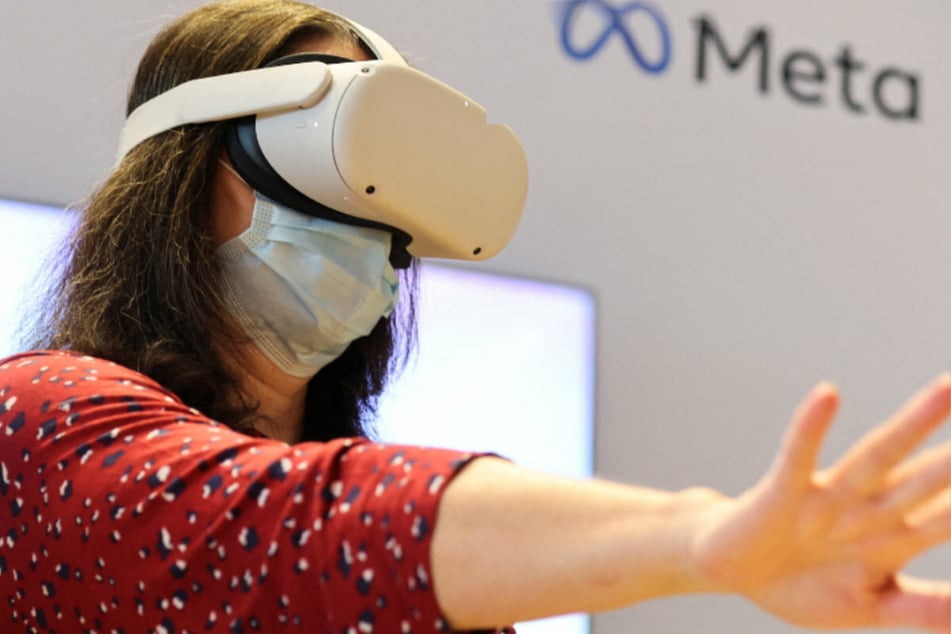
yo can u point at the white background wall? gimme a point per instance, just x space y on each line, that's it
741 246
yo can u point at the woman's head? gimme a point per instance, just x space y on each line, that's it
143 286
232 36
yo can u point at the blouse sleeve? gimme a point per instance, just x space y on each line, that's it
124 510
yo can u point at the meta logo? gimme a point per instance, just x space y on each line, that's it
806 77
615 25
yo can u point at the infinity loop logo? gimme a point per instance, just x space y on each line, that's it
615 24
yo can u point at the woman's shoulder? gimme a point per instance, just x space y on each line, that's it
60 360
45 395
51 374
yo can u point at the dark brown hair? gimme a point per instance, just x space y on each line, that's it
141 285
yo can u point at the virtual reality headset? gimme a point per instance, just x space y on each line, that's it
370 143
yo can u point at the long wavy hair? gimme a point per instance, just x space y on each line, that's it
141 285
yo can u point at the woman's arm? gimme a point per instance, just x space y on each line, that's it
513 544
817 548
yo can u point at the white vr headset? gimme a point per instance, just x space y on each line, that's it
373 143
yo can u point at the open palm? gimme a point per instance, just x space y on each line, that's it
825 549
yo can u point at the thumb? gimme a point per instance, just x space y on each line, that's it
917 603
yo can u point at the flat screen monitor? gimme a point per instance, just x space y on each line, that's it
503 364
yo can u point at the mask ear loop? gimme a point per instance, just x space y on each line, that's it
235 172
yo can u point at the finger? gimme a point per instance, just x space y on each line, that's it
932 522
917 603
802 443
928 527
868 462
917 480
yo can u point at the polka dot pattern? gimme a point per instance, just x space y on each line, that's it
123 510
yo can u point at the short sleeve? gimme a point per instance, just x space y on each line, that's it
121 509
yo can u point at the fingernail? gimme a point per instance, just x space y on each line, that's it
827 388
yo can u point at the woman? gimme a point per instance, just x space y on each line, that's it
127 508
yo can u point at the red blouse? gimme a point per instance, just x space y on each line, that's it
123 510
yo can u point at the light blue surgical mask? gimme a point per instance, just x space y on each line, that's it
304 288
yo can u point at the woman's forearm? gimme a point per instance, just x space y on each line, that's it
511 544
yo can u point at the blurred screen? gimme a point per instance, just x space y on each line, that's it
31 237
503 364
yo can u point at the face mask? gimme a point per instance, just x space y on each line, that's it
304 288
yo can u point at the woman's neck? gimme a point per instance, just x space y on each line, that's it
280 396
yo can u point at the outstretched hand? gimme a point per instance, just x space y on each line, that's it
825 548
